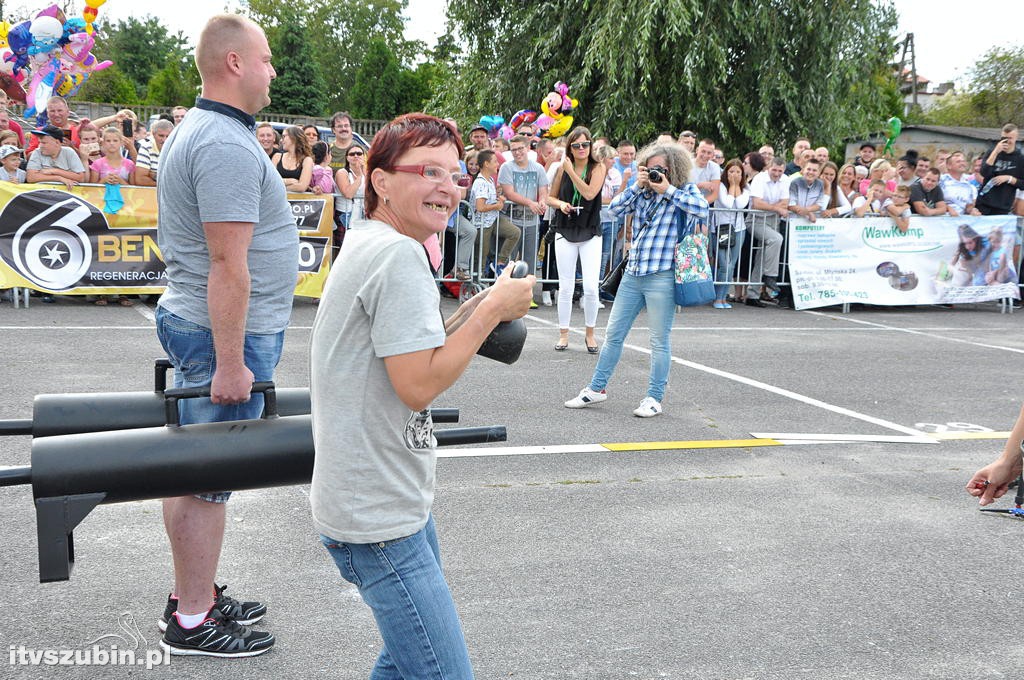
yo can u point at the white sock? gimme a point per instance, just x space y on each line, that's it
191 620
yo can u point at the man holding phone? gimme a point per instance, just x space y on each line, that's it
1003 174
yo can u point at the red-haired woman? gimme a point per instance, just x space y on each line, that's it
380 353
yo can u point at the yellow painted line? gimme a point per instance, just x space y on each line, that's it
694 444
968 435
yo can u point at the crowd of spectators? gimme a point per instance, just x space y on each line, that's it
506 211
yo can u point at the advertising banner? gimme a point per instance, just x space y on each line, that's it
88 242
938 260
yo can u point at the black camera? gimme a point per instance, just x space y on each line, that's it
656 174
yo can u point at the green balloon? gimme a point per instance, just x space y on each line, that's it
895 127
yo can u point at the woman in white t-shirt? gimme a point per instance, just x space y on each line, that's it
733 199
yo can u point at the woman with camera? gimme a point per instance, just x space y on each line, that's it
576 197
661 201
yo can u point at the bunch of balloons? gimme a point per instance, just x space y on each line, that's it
557 106
51 51
555 120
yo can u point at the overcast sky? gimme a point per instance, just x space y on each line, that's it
949 35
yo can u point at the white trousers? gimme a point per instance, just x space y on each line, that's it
589 255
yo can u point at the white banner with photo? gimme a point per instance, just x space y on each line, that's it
939 260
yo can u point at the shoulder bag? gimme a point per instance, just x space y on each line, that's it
695 284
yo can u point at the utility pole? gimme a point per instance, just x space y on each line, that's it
908 49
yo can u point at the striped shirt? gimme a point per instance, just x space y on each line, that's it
654 223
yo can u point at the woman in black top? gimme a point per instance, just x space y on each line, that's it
295 164
576 197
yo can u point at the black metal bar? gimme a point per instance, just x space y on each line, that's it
470 435
9 427
61 414
15 476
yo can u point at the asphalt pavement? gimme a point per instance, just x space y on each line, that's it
802 516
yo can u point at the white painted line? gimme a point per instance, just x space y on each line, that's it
145 311
776 390
445 452
887 327
833 438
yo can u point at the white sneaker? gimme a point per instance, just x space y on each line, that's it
648 408
545 298
585 398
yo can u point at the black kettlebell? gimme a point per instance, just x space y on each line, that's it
505 343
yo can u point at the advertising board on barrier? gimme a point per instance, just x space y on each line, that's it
939 260
68 242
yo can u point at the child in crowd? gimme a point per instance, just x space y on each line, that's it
874 200
89 148
322 182
10 158
9 138
111 167
898 208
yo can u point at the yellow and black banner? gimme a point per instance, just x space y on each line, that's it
74 243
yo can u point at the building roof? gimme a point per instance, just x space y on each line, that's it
983 134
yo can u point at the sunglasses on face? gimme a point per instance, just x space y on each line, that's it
354 153
580 145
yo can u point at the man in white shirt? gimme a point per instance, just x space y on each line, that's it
960 194
769 191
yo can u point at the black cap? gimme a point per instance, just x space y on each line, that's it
476 127
50 131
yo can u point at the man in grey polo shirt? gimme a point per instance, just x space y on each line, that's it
231 247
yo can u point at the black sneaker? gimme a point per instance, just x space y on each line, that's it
216 636
245 613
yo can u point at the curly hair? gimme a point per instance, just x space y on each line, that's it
677 160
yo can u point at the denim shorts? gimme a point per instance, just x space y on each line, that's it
189 348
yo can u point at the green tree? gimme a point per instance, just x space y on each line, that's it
993 97
379 90
175 84
109 85
299 87
741 72
140 48
339 33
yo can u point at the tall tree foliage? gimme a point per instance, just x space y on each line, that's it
994 95
741 72
176 84
339 33
299 87
384 88
140 48
109 85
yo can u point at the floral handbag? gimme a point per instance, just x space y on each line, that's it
695 284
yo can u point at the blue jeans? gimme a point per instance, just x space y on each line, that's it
401 581
726 265
657 293
189 348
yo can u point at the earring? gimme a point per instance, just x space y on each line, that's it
386 201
